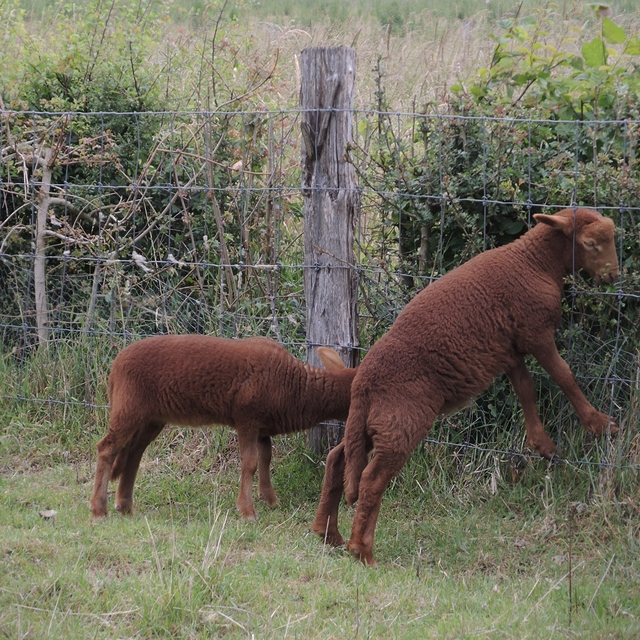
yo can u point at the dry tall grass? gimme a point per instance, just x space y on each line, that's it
416 67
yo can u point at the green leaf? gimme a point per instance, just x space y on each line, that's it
612 32
528 22
512 227
633 46
598 7
593 53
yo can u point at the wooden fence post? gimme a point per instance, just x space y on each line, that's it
331 204
42 199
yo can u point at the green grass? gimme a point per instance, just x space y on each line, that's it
461 555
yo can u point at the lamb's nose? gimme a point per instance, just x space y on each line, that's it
610 274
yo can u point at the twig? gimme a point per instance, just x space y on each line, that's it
224 615
213 51
595 593
552 588
217 553
53 613
155 553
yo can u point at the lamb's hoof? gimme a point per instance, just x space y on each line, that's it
331 537
549 454
545 446
602 424
249 517
611 427
365 556
335 539
270 498
124 508
98 513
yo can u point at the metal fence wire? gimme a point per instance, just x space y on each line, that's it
115 226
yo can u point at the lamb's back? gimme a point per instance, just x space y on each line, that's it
198 380
467 327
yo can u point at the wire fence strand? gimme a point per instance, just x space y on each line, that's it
191 222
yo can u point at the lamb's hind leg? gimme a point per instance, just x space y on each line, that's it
265 487
392 444
108 448
524 387
591 419
326 520
135 448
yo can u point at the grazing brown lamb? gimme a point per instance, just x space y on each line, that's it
448 344
254 385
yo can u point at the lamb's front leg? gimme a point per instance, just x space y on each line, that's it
592 419
248 444
267 492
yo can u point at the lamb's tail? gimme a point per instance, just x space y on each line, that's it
356 447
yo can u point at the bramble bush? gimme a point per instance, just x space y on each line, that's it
549 123
546 124
129 176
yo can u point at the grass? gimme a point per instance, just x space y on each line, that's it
412 51
460 554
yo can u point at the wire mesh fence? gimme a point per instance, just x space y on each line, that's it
115 226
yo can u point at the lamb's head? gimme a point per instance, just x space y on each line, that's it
595 249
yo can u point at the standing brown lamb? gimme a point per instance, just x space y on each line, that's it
448 344
254 385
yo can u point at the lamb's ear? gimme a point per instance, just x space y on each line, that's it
330 359
557 222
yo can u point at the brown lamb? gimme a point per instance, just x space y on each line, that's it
448 344
254 385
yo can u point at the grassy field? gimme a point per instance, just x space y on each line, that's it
461 555
415 49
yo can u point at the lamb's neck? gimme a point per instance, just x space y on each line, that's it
546 250
327 394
